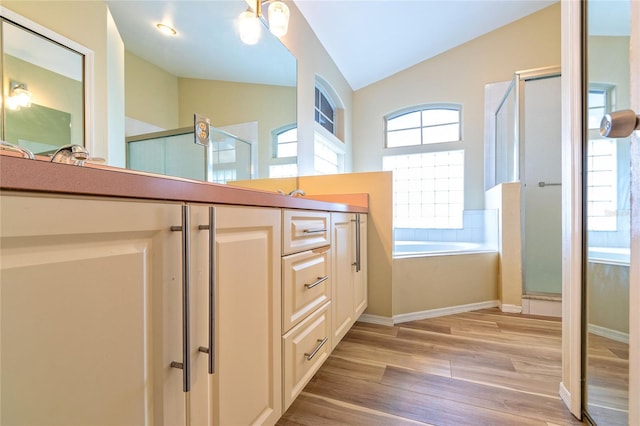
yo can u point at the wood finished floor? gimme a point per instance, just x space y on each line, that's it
476 368
608 381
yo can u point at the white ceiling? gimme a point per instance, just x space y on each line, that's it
372 39
368 40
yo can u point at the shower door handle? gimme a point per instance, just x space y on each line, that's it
619 124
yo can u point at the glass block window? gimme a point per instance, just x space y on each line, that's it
324 110
424 125
327 160
602 180
602 173
428 189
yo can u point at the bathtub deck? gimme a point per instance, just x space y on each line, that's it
475 368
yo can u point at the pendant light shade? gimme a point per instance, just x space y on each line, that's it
278 18
249 27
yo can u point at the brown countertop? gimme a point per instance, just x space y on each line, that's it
21 174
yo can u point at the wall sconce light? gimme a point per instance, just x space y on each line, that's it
19 96
277 20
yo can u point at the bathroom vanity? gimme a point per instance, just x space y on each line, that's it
131 298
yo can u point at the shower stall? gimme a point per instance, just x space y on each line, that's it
527 149
174 153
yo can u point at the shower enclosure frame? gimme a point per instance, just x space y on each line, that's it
516 165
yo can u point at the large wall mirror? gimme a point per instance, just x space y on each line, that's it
246 90
43 91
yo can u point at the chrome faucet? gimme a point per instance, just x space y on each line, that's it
297 193
70 154
11 147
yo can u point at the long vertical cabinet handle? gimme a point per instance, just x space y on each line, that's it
211 348
185 365
358 242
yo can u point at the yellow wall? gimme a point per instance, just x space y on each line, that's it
48 89
436 282
379 227
227 103
151 93
458 76
505 198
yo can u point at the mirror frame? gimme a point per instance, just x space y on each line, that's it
88 81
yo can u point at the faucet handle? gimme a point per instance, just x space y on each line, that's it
70 154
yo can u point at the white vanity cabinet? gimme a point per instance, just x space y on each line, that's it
349 271
92 318
245 386
83 286
306 310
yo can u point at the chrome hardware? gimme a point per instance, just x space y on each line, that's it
619 124
211 350
297 193
186 329
320 280
543 184
15 148
357 263
211 227
313 353
70 154
314 231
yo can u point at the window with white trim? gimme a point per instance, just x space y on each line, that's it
428 124
428 170
284 153
325 110
602 174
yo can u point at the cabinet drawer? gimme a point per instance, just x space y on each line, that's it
304 230
306 347
306 284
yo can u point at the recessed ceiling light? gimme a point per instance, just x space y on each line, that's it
165 29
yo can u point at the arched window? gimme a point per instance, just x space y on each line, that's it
284 152
422 148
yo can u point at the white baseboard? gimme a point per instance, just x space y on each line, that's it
376 319
433 313
547 308
511 309
565 396
616 335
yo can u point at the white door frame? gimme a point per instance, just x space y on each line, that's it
570 387
571 98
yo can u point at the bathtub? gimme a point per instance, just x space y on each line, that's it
436 248
609 255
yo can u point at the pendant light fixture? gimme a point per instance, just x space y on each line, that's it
277 20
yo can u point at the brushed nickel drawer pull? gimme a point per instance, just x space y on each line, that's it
314 231
320 280
313 353
185 365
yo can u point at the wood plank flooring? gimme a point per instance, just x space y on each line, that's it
476 368
608 381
